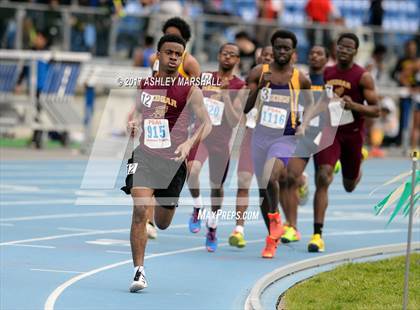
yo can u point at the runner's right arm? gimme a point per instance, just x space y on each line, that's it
196 102
135 116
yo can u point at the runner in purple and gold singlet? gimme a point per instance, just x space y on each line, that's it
273 142
354 85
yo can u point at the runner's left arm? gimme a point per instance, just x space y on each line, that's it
372 108
135 116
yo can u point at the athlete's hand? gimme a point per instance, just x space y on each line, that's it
182 151
224 88
348 102
300 130
132 128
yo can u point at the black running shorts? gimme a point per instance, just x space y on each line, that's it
165 176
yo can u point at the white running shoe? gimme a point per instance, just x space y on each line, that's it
151 230
139 281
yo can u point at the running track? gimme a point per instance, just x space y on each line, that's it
66 248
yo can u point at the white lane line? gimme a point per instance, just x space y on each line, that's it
37 202
52 298
62 216
53 270
18 188
49 304
77 229
7 224
119 252
33 246
99 232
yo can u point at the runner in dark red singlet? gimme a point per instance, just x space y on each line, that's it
354 85
157 171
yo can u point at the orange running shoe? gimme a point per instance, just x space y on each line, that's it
276 226
270 247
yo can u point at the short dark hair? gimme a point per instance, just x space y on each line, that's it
380 49
351 36
284 34
242 35
179 24
226 44
170 38
148 40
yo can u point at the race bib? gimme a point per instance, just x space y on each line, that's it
251 118
215 109
338 115
156 133
273 117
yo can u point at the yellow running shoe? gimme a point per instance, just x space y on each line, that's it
237 239
303 191
337 167
365 153
290 235
316 244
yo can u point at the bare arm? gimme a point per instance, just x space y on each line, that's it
371 109
233 109
253 85
197 106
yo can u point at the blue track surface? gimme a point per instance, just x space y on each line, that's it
53 249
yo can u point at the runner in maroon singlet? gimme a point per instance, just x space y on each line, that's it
354 85
225 112
157 171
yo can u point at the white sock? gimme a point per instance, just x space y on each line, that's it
239 229
212 220
141 268
198 202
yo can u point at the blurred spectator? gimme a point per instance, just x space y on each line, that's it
247 49
41 42
269 10
142 55
384 128
318 12
375 18
376 66
132 24
171 7
321 12
405 75
415 134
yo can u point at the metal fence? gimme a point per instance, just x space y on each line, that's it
95 30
